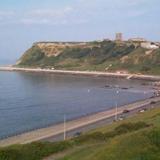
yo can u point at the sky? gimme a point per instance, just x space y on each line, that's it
23 22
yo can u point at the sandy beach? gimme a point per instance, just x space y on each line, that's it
85 73
45 133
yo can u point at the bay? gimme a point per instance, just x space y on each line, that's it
30 101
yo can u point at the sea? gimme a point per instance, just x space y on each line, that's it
30 101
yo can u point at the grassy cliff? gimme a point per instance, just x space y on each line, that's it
94 56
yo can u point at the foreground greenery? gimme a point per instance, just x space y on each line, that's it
97 56
136 138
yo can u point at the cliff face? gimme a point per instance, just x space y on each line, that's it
100 56
54 49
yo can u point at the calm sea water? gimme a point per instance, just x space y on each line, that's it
35 100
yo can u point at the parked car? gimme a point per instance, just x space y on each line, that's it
142 110
121 118
77 134
126 111
153 102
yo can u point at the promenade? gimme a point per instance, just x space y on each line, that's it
54 130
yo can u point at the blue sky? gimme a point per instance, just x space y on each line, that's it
24 22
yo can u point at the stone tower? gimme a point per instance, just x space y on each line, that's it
119 37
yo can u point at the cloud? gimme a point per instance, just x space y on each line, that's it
6 17
111 5
80 12
114 9
63 16
136 13
54 13
134 2
29 21
7 13
47 16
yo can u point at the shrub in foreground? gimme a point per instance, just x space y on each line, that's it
154 137
125 128
33 151
39 150
93 137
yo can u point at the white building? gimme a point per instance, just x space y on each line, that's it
149 45
138 40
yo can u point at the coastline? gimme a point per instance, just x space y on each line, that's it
85 73
44 133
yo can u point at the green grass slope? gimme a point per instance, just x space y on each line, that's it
97 56
140 143
136 138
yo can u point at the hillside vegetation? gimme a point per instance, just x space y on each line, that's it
136 138
93 56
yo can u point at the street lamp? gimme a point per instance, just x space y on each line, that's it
116 107
64 128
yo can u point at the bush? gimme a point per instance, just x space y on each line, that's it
121 129
32 56
125 128
128 127
9 154
96 136
110 134
154 137
33 151
145 68
75 53
39 150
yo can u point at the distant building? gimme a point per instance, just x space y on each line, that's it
157 43
119 37
149 45
138 40
99 40
106 39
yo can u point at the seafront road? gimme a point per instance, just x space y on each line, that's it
44 133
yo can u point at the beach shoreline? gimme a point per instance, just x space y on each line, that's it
84 73
44 133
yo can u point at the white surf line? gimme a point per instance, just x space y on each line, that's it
44 133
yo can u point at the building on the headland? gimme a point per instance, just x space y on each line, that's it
149 45
106 39
119 37
143 43
157 43
137 40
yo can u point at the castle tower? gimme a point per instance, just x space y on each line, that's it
119 37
